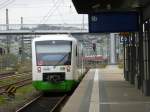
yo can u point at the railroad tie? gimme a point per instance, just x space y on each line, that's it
11 89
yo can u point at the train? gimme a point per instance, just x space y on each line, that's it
57 62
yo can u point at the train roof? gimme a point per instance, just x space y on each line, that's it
55 37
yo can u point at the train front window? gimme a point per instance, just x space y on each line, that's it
53 53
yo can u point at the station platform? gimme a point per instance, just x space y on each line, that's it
105 90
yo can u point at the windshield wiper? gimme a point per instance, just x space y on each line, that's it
62 59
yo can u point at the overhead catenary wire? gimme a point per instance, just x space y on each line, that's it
38 6
61 16
3 2
60 11
6 3
47 14
51 13
54 9
56 5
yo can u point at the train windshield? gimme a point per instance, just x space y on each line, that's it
53 53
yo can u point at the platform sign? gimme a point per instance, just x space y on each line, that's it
113 22
123 39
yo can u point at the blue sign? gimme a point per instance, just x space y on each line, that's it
113 22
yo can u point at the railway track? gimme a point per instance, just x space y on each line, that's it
44 104
11 74
6 74
17 84
21 79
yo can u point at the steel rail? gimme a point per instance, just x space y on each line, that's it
51 108
58 103
27 104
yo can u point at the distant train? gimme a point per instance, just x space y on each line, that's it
57 62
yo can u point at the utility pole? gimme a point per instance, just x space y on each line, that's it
7 28
83 22
7 20
21 22
22 43
22 49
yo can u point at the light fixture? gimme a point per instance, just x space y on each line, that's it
96 6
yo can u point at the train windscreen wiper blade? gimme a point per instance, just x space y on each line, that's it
62 59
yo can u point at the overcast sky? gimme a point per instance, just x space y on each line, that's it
40 11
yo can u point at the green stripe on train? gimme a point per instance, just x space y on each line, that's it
64 86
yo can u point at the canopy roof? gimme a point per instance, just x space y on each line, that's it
91 6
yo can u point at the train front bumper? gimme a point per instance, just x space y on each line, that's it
64 86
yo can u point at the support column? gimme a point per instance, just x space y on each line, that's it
132 58
129 59
146 81
140 76
124 57
127 65
112 49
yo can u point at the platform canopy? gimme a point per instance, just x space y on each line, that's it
91 6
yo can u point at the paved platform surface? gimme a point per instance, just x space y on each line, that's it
105 90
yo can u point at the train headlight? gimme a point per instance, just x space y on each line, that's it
39 69
68 68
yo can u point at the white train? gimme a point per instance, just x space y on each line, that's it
57 62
